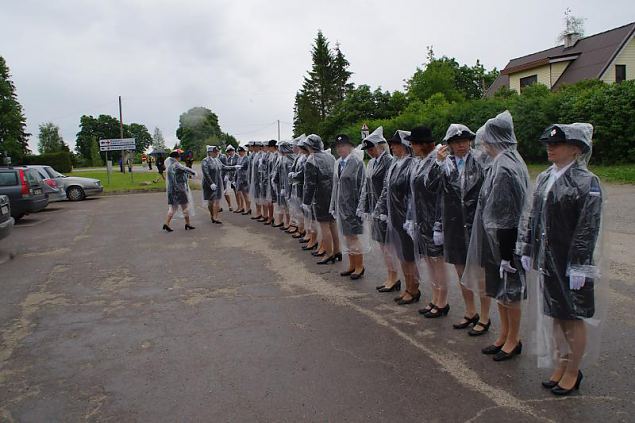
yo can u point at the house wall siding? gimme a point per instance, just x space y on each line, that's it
542 73
625 57
557 69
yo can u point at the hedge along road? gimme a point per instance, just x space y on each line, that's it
105 317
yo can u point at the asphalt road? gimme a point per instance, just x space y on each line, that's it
104 317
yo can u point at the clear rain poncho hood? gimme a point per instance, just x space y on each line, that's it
314 142
458 131
501 201
178 189
374 138
296 141
285 147
580 134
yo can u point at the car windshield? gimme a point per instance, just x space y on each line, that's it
54 173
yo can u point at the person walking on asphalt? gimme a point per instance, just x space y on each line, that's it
178 191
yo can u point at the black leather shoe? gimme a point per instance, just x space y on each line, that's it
188 227
318 254
549 383
307 247
415 299
437 312
468 321
338 256
327 260
492 349
167 228
278 225
395 287
502 355
474 332
356 276
426 309
558 390
347 273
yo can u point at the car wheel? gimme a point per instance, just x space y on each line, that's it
75 194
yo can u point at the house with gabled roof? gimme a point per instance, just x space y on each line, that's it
608 56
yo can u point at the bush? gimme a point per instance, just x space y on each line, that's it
59 161
610 108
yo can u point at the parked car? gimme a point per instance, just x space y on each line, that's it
24 189
49 185
75 187
6 221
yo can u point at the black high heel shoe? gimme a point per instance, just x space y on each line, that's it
278 225
256 217
318 254
427 308
494 349
167 228
298 235
338 256
468 321
188 227
356 276
396 287
502 355
414 299
347 273
308 248
474 332
560 391
436 312
218 222
328 260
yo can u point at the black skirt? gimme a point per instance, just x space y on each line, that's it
351 225
561 302
177 198
510 290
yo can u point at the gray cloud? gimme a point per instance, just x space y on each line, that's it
246 59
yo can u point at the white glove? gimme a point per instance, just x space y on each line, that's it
437 237
332 213
409 227
282 192
226 179
576 280
238 166
291 175
213 187
383 217
506 267
526 262
360 213
306 208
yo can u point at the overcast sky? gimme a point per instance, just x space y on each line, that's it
246 59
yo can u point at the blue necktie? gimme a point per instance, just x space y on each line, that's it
460 164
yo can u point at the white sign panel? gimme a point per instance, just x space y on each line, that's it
117 144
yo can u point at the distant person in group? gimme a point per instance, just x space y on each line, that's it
242 182
178 191
377 148
161 165
562 249
230 160
318 187
212 182
392 208
149 162
459 177
348 180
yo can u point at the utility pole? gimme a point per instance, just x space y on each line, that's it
278 130
123 152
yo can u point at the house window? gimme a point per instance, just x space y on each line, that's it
527 81
620 73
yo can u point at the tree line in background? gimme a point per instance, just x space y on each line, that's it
198 127
444 92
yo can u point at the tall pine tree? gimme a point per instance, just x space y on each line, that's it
325 85
14 140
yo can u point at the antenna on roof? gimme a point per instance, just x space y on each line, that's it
573 31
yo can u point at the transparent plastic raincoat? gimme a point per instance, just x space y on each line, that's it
243 174
212 183
318 179
492 267
348 181
562 246
177 187
280 179
296 181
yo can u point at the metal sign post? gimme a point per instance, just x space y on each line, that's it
117 144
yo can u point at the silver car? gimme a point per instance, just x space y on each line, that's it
75 187
6 221
49 185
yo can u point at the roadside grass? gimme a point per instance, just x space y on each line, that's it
122 183
615 174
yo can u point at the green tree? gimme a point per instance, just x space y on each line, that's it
158 142
95 156
140 133
50 140
107 127
13 136
198 127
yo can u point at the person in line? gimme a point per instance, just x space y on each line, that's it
459 176
491 255
229 160
318 187
377 148
561 247
297 178
392 208
178 191
422 214
295 212
212 182
242 182
264 177
348 180
281 180
161 166
256 153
